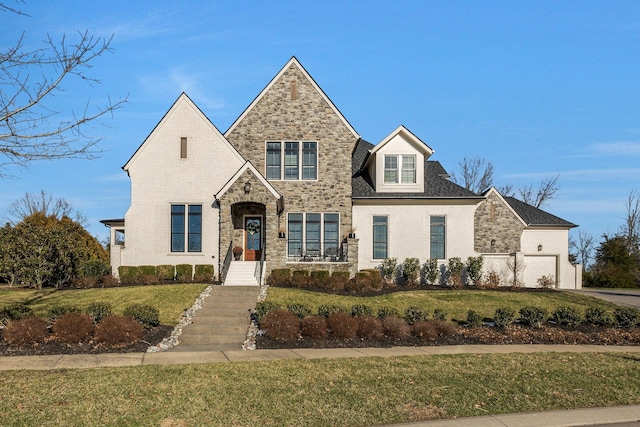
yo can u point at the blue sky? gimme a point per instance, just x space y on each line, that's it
539 88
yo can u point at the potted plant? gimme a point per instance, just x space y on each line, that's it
237 253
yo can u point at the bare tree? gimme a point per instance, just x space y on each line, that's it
30 128
631 227
540 195
43 203
476 174
583 248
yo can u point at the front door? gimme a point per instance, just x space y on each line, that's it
253 238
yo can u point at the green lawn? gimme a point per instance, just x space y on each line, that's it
336 392
170 300
455 302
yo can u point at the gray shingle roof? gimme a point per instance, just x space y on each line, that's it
533 216
436 185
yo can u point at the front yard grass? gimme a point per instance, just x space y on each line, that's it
170 300
329 392
455 302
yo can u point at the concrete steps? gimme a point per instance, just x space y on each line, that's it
241 273
222 322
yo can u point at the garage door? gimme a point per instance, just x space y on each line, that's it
537 266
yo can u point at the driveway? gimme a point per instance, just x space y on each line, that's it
630 297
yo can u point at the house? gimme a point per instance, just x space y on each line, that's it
294 186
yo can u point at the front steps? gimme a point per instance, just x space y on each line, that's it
222 322
241 273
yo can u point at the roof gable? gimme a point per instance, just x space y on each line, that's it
408 136
293 62
247 167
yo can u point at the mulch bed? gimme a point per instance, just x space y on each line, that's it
151 336
516 334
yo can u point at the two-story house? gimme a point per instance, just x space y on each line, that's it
292 184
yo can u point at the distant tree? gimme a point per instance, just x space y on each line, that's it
631 227
43 203
615 266
582 248
30 128
9 265
475 174
540 195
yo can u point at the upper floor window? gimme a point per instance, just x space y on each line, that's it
400 168
292 160
186 220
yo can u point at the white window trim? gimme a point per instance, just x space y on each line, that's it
373 237
300 160
445 234
399 170
304 231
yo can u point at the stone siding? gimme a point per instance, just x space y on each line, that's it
300 113
494 221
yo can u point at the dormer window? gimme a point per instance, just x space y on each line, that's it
400 169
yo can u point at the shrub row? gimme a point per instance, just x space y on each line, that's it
72 328
283 325
155 274
337 282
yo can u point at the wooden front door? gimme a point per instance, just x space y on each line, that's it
252 238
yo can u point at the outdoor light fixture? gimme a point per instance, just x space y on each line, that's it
493 242
247 188
539 247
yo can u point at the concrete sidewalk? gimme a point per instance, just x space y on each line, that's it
75 361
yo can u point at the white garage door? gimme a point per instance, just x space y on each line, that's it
537 266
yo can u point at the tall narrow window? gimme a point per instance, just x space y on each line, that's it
380 237
177 228
331 234
408 169
273 160
438 236
312 236
295 234
390 169
309 160
291 160
195 228
183 148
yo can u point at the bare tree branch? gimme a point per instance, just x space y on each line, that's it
631 227
476 174
539 196
29 128
583 248
44 204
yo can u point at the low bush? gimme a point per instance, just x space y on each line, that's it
342 325
360 284
166 273
440 314
361 310
411 271
184 273
319 278
300 279
73 327
203 273
146 314
503 317
547 282
327 310
490 280
370 327
389 269
58 310
118 331
424 329
281 325
533 316
376 278
341 274
597 316
395 327
95 268
474 319
456 268
430 271
15 311
299 310
335 284
279 277
474 269
25 331
127 274
314 327
262 309
414 314
110 281
99 310
385 311
566 316
85 283
627 317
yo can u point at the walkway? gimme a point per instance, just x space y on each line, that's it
630 297
73 361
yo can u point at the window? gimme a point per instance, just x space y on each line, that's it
192 228
183 148
313 234
407 172
438 233
380 237
118 237
295 161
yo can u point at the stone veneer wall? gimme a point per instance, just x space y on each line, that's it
493 220
300 114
